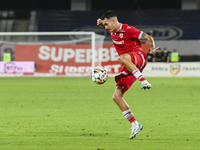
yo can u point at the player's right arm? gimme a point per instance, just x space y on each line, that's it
100 23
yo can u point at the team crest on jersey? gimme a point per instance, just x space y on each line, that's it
174 69
121 35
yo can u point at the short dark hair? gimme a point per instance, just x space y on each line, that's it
108 14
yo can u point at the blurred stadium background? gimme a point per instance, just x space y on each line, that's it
73 113
173 24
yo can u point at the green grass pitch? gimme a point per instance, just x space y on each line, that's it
66 113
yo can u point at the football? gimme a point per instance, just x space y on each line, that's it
99 76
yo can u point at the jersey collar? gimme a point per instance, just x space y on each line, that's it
119 27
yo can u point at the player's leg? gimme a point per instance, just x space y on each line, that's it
125 59
119 100
135 62
124 107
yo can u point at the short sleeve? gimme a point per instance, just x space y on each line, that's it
132 32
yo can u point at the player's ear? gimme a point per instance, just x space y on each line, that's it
114 20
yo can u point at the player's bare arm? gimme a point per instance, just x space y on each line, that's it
150 41
100 23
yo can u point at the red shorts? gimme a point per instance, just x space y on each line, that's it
126 78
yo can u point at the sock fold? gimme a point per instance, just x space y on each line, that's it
129 115
138 75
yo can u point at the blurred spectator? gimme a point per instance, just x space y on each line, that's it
166 55
175 57
159 55
6 56
151 57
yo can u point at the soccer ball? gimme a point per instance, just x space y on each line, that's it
99 76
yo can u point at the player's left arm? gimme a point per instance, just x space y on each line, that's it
150 41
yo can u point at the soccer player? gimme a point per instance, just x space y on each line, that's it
126 40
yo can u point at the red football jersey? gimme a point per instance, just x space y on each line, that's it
126 39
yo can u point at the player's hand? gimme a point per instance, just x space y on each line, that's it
154 50
100 23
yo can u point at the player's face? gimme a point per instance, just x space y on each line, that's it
109 25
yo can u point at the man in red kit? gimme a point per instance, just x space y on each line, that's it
126 40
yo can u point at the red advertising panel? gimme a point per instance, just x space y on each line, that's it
69 59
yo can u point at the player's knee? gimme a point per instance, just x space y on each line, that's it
121 59
115 98
124 58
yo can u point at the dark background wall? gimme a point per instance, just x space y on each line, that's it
94 4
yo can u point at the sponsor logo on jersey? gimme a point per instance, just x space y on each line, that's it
118 42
